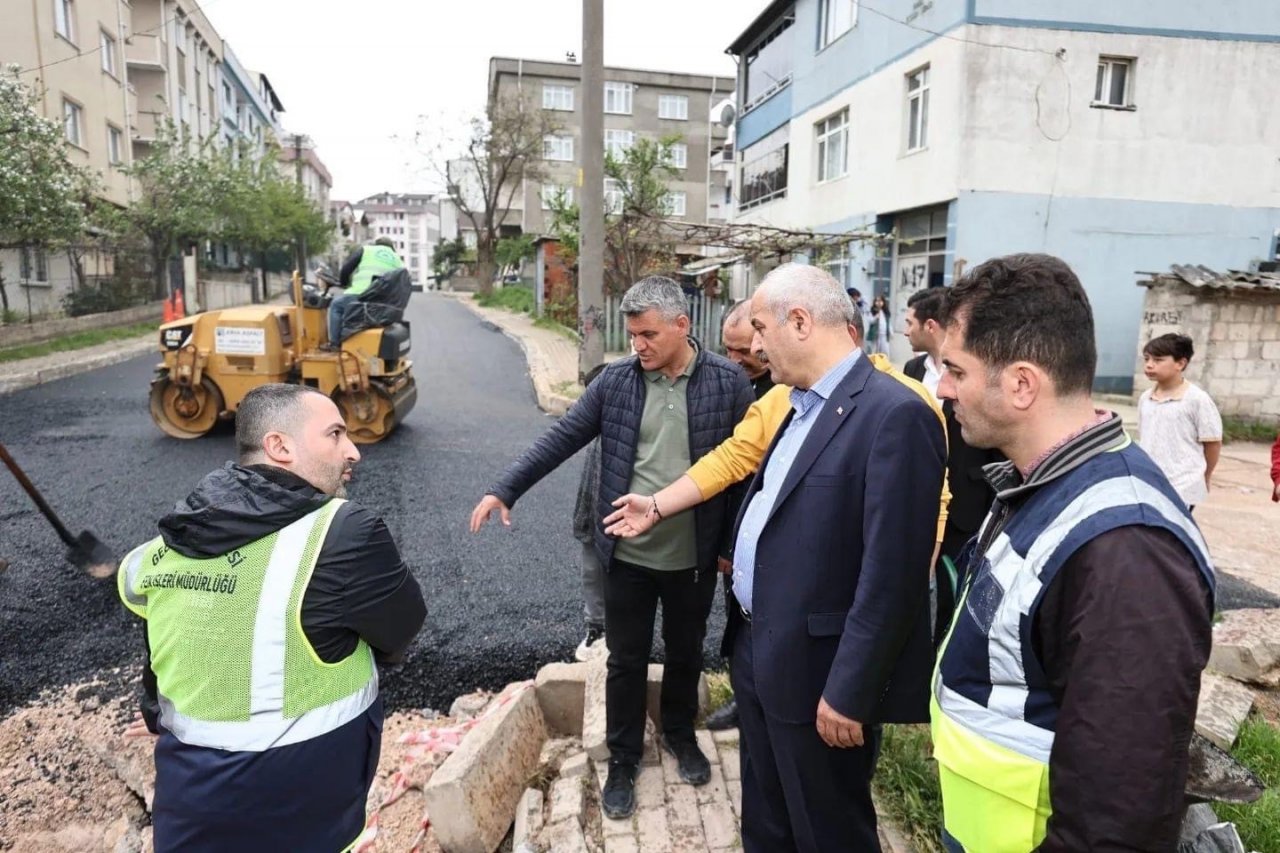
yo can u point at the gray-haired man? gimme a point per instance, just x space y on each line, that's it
655 413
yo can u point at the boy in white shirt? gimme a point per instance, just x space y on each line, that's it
1178 423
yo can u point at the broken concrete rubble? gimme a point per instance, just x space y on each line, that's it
1246 646
1223 707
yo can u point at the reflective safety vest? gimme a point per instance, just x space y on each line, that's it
375 260
993 716
234 668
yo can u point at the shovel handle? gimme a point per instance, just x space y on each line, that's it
30 489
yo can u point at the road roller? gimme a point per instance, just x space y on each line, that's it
212 359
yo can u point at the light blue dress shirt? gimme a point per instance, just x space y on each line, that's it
808 405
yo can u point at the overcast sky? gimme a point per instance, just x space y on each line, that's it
355 76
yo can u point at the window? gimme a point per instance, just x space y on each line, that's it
64 19
72 115
769 65
33 264
678 156
918 109
557 98
836 17
1114 87
616 143
115 145
107 47
557 147
180 33
617 98
673 107
182 105
833 146
674 203
614 197
764 170
562 195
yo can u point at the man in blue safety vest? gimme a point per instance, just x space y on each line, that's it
1065 693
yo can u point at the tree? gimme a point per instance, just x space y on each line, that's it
638 241
448 256
43 195
182 191
502 151
514 251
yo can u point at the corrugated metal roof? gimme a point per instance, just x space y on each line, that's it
1202 276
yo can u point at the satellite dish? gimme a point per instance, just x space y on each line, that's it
724 112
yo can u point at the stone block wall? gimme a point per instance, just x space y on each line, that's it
1236 334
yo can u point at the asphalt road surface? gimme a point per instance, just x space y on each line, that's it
501 603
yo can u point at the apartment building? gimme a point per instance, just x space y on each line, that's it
1118 136
410 220
637 104
249 108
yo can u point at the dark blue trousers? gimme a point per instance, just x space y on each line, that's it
307 796
798 794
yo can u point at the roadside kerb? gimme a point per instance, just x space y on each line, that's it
118 352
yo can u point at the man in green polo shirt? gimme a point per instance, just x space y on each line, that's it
655 413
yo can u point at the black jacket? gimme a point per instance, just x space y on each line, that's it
360 588
971 495
718 396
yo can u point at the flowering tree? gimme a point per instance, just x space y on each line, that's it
43 195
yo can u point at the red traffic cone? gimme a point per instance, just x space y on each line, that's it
179 307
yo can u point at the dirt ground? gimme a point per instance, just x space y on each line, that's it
1239 521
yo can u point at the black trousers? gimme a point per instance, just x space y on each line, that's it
798 794
631 596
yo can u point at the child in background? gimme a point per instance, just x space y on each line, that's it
1178 423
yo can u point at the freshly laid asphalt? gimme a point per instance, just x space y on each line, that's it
501 603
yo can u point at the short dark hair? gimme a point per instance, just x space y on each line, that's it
385 241
1173 344
1027 307
268 408
927 304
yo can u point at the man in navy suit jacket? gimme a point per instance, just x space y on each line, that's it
830 629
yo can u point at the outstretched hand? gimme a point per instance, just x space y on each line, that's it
485 508
633 517
138 728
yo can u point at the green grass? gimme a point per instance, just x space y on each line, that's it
1258 748
906 786
545 322
79 340
518 299
721 692
1243 429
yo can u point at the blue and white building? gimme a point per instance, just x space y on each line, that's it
1121 136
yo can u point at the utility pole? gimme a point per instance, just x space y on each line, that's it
591 192
297 176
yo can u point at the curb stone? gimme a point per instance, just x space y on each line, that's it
131 349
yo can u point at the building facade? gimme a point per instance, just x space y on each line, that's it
411 221
637 104
1112 135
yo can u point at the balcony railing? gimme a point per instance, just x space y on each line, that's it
145 50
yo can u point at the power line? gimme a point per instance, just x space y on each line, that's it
889 17
196 7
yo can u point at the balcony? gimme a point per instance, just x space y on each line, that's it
145 52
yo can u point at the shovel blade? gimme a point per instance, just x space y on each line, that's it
90 554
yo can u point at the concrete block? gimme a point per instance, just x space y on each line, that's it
555 751
651 827
735 797
1271 351
575 766
470 705
1238 331
1246 644
472 796
731 763
561 689
568 801
715 789
594 724
528 819
720 825
566 837
654 694
1222 708
683 816
726 737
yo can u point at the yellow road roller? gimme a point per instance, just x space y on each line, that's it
212 359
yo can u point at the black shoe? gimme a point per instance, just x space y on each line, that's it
690 762
591 644
724 717
619 798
